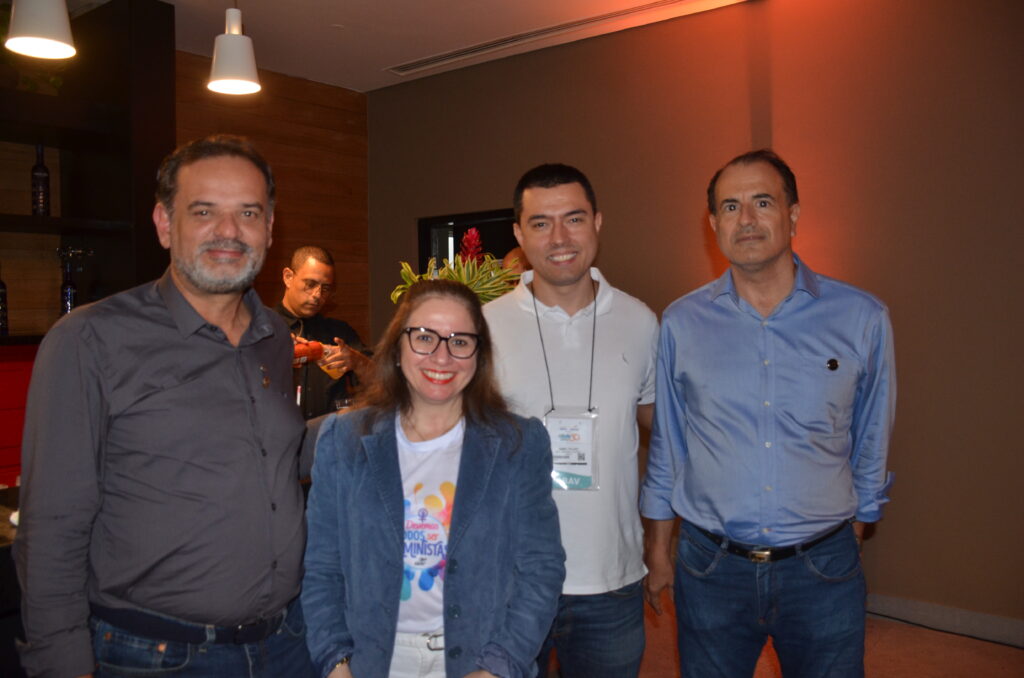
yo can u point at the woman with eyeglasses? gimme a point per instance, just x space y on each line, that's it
433 546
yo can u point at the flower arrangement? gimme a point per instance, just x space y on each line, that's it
478 270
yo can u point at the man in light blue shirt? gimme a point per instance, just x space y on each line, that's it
774 405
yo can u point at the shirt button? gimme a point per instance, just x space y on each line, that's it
455 652
766 530
767 403
252 400
263 451
453 566
767 443
764 323
273 565
454 611
768 488
273 506
767 361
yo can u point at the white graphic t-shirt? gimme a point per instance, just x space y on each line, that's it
429 472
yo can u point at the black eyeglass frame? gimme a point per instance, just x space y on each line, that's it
409 330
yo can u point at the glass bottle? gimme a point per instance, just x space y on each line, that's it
68 290
40 185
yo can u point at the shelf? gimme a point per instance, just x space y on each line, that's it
30 118
20 339
21 223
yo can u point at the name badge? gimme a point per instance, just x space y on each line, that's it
573 432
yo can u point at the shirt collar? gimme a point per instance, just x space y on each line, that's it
805 280
189 321
290 318
524 296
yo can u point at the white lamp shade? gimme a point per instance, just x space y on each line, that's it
234 61
40 28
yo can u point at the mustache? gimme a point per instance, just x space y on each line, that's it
231 244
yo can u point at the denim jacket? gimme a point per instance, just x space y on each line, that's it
505 562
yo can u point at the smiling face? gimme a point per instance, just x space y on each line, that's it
557 230
220 228
438 379
307 289
753 220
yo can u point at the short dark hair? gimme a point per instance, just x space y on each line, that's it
765 155
315 252
482 402
213 146
548 176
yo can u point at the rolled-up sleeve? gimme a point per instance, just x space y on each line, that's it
668 442
873 417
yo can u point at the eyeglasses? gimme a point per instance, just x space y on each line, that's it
425 341
311 286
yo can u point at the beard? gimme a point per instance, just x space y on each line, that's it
207 280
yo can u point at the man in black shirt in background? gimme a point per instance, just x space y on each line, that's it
324 387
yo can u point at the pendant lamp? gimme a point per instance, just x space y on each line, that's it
234 62
41 29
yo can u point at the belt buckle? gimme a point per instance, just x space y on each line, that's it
435 641
760 555
251 632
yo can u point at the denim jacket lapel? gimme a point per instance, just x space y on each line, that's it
382 457
480 449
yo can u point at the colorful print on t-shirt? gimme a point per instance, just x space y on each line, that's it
430 470
426 537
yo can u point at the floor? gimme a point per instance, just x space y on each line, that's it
893 650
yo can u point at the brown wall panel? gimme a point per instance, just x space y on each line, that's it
315 138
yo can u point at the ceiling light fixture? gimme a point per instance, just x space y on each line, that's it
234 62
41 29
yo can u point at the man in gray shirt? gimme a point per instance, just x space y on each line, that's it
161 509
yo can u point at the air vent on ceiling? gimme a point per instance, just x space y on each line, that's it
439 60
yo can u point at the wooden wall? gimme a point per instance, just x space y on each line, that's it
314 137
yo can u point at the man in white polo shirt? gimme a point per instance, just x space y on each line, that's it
579 354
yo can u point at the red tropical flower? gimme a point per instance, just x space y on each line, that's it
471 248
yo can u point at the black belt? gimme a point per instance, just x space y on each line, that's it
768 555
161 628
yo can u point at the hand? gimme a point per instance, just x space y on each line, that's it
658 558
355 361
342 671
858 533
481 674
659 578
336 360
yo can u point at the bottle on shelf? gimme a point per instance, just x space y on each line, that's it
4 327
68 289
40 185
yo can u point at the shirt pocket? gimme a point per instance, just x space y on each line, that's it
818 391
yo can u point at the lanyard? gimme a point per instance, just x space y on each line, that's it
543 350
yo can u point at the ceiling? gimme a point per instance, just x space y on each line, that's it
357 43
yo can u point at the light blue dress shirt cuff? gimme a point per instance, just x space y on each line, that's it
655 504
870 508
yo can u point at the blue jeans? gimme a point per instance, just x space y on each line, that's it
598 636
282 655
811 604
